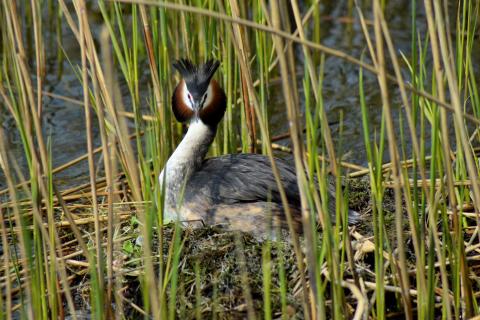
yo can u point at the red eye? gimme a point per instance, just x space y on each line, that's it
189 97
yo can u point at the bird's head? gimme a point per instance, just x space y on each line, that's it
197 95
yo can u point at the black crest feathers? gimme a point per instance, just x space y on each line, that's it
196 77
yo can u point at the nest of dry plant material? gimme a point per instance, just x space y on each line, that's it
220 272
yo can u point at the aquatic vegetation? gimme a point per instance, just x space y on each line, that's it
380 97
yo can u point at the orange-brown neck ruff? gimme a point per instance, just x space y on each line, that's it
181 111
212 113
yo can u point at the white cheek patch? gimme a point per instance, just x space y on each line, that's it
185 94
209 98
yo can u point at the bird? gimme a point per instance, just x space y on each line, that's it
238 191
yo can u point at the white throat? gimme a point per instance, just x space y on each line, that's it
185 160
197 139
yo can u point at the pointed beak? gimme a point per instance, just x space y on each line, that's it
196 105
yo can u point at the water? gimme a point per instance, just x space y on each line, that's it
64 122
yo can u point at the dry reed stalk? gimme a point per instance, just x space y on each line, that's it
438 183
37 168
421 277
265 136
326 135
154 72
127 114
85 195
131 166
244 52
305 19
184 31
440 87
386 167
103 244
104 86
397 175
362 301
298 152
125 149
39 52
108 150
404 163
6 264
133 305
445 51
83 21
77 222
347 165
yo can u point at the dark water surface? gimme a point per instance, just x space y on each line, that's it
64 121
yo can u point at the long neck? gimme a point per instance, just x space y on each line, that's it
194 146
187 157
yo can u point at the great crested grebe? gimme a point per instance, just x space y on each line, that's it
238 190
